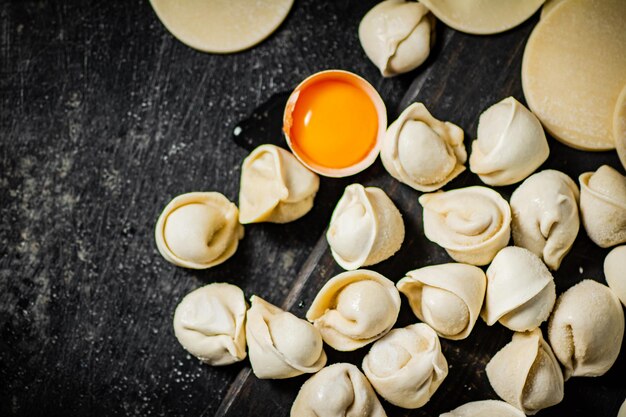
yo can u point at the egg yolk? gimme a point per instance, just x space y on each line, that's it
334 124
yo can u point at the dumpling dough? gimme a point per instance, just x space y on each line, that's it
280 344
448 297
472 224
573 71
275 187
365 228
482 17
545 215
355 308
221 26
548 6
520 290
397 35
198 230
619 126
339 390
421 151
511 144
615 272
406 366
603 206
526 374
485 408
209 323
586 329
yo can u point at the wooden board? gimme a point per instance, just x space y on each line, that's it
104 117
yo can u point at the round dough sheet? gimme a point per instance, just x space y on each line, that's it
619 126
482 17
574 68
221 26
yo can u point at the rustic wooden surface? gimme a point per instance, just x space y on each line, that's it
104 117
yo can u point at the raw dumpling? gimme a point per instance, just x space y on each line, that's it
586 329
339 390
520 290
406 366
615 272
422 151
545 215
209 323
198 230
485 408
365 228
511 144
275 187
603 206
355 308
448 297
280 344
397 35
526 374
472 224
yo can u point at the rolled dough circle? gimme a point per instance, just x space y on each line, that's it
548 6
619 126
482 17
221 26
574 69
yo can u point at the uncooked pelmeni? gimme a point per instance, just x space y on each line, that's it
280 345
198 230
603 206
472 224
221 26
586 329
526 374
355 308
365 227
483 17
275 187
485 408
406 366
422 151
520 290
545 215
339 390
397 35
615 272
448 297
209 323
511 144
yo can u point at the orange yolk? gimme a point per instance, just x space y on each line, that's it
334 124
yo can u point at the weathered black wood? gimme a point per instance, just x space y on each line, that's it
104 117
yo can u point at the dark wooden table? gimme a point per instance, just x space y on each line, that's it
104 117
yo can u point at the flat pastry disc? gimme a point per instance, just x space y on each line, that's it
619 127
482 17
548 6
221 26
574 68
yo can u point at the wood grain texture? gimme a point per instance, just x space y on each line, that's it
104 117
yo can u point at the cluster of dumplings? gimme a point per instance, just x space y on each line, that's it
200 230
215 324
359 307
